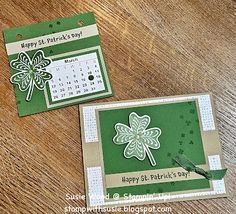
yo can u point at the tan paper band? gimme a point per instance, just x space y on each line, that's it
150 177
52 39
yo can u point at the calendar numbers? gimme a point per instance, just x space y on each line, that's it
75 76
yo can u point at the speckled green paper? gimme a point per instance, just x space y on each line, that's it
38 103
180 135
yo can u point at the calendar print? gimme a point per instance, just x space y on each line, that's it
75 76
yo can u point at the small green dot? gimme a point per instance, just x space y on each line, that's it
182 135
191 132
50 25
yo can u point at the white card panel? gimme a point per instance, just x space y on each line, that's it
75 76
95 186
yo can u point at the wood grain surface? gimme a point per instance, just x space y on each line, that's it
153 48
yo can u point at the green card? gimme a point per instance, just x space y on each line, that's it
57 63
136 144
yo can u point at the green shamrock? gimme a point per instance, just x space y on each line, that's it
139 138
32 72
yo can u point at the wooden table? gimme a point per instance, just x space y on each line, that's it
153 48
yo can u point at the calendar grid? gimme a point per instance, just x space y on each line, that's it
74 79
80 77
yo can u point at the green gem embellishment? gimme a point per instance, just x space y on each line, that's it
32 72
139 139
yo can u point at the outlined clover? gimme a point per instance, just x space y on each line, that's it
139 139
32 72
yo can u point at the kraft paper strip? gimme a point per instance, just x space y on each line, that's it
150 177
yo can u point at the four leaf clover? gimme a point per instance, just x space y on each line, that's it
138 138
32 72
